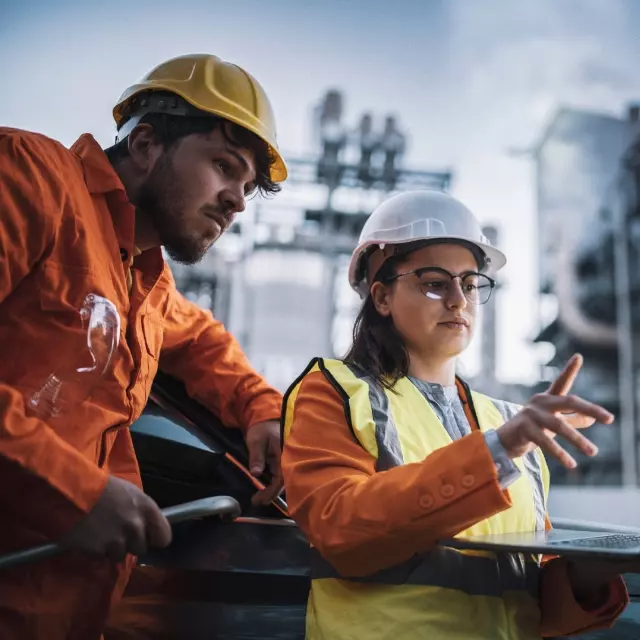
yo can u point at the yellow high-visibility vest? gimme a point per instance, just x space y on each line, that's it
444 594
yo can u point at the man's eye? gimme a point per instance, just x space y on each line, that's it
223 166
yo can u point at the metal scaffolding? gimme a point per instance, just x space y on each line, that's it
321 235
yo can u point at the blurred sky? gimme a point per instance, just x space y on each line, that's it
469 81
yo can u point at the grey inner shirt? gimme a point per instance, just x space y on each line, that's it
447 405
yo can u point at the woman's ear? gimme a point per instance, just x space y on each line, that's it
381 298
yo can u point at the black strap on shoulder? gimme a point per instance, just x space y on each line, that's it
287 394
343 395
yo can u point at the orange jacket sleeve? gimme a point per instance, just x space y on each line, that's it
362 521
562 615
198 350
44 481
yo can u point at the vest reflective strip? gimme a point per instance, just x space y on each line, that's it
384 445
356 397
389 450
534 471
533 468
475 575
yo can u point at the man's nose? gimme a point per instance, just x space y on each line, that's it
233 200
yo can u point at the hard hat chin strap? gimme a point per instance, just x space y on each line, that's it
129 126
376 258
155 102
382 252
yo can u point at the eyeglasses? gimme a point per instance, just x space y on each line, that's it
435 283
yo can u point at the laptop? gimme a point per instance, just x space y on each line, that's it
620 545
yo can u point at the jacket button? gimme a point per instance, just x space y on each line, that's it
426 501
447 491
467 481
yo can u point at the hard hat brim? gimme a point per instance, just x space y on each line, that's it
278 171
496 260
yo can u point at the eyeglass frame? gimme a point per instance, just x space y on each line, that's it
417 272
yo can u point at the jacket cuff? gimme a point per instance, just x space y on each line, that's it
563 615
617 594
507 470
265 408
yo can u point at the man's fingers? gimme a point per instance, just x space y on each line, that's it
265 496
157 527
277 483
275 487
563 383
115 550
137 539
256 456
274 457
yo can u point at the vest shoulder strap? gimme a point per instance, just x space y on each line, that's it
289 399
360 396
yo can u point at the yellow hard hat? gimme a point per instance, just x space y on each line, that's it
212 85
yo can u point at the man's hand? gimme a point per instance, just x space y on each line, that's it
263 443
124 520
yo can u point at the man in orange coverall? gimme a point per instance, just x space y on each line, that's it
81 232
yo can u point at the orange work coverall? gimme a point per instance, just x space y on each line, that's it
332 488
67 230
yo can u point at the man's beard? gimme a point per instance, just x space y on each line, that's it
162 201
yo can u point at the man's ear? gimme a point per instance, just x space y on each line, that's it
144 148
380 295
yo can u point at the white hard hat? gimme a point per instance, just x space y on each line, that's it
413 216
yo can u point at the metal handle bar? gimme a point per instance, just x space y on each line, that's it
213 506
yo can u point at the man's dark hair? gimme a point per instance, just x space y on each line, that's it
378 348
170 128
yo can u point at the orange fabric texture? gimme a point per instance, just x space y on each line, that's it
362 521
556 607
67 230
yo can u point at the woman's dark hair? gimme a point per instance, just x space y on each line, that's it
170 128
377 346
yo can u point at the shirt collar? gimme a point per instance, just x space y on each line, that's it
436 392
99 174
101 178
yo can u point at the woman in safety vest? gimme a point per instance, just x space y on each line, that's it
388 451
